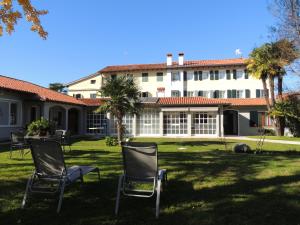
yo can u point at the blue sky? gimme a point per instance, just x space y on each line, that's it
85 36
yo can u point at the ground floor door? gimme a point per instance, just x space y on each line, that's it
73 121
230 122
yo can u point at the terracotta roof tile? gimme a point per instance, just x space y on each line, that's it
43 93
246 101
191 101
162 66
93 101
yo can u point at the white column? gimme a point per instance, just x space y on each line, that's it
220 119
161 123
108 121
134 125
189 123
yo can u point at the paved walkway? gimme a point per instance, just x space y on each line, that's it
266 140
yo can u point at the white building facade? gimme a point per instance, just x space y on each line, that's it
205 98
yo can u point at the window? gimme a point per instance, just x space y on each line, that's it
93 95
228 75
144 77
203 93
246 74
211 75
216 75
259 119
13 113
204 75
148 122
77 95
175 93
221 94
222 75
240 93
239 74
175 123
96 123
159 77
260 93
129 76
33 113
248 93
233 93
93 81
113 76
204 123
145 94
4 113
127 123
216 94
190 94
234 74
175 76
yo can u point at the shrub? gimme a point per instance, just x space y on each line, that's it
39 127
241 148
270 132
111 141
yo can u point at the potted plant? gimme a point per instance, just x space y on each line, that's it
38 128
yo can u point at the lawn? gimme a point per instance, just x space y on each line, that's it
207 185
284 138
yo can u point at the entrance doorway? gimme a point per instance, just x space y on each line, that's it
231 122
73 121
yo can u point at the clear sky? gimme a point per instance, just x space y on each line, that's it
85 36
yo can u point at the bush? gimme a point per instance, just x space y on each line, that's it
111 141
39 127
270 132
241 148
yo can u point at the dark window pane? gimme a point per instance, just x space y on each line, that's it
216 75
246 74
211 75
234 74
248 93
228 75
253 119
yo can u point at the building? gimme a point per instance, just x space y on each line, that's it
205 98
22 102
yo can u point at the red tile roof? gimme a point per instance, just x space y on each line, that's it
246 101
191 101
43 93
162 66
93 101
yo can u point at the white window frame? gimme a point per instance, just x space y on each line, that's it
175 76
205 75
240 93
19 112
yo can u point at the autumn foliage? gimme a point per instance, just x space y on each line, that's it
9 16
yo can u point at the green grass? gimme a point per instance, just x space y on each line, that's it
284 138
207 185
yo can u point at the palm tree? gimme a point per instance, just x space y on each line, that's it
267 63
124 98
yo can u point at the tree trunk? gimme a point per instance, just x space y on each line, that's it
264 82
281 120
275 119
120 129
279 85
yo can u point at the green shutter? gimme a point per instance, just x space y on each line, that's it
200 93
248 93
257 93
216 75
233 93
184 93
229 94
184 75
211 75
246 74
216 94
234 74
200 75
196 75
228 75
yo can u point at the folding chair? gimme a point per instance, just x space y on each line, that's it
140 166
51 175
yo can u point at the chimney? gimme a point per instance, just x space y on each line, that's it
180 59
169 59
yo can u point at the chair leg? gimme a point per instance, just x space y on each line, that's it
29 182
118 194
157 198
61 195
98 172
10 152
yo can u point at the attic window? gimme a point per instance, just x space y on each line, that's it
93 81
